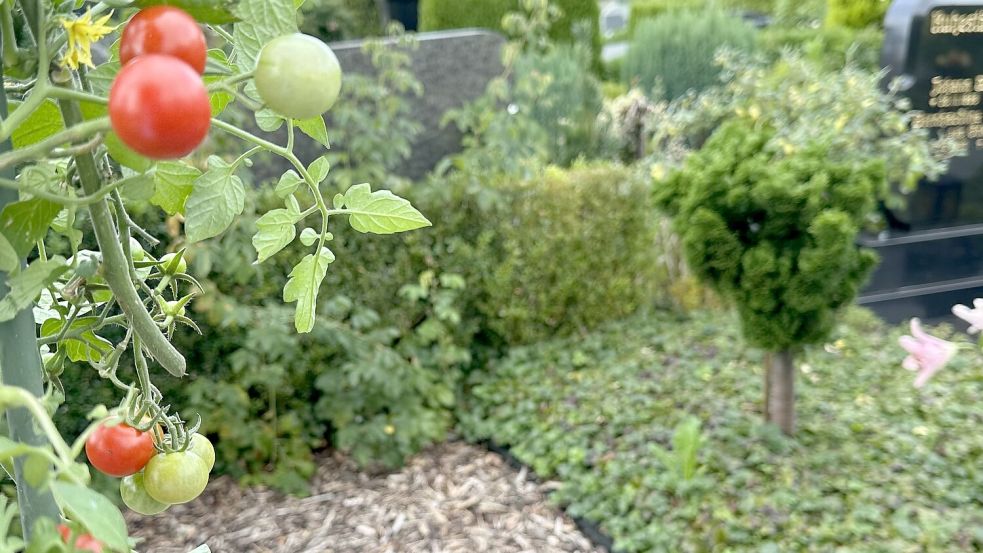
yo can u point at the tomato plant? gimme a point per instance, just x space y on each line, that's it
164 30
84 542
175 477
159 107
83 145
298 76
119 450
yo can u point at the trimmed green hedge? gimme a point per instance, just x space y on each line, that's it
877 466
437 15
856 14
648 9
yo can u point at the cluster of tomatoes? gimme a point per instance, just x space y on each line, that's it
152 480
158 104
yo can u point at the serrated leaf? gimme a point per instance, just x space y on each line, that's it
173 183
275 230
140 188
314 128
26 222
288 184
87 345
43 122
99 516
381 212
308 236
260 22
219 99
217 199
319 169
268 121
9 260
27 284
303 285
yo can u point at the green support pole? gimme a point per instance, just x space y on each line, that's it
20 365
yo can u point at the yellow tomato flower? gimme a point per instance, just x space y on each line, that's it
82 32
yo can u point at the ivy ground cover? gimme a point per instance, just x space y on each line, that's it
876 465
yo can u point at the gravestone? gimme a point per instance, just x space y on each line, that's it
614 18
932 257
454 68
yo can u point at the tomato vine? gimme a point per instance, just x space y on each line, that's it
71 164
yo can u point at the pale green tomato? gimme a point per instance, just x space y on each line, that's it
136 250
135 496
298 76
175 477
182 264
201 447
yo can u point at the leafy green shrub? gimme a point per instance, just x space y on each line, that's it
651 9
829 48
855 14
340 19
774 233
437 15
677 50
876 466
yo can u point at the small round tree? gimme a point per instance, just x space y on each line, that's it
769 208
774 233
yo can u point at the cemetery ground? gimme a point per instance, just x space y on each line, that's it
876 465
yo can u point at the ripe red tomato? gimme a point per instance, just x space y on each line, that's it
159 107
164 30
85 542
119 450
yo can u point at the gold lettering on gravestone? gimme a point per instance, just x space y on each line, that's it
956 120
956 23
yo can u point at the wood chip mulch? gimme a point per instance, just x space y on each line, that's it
453 498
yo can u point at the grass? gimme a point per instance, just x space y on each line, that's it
876 465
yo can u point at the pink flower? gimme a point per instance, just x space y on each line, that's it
972 316
926 354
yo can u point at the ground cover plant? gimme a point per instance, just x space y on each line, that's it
877 465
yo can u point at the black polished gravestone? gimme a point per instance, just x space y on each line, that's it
932 257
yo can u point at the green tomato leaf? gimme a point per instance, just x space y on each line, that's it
267 120
26 222
101 78
173 183
308 236
88 345
27 284
217 199
219 99
64 224
302 287
9 260
99 516
43 122
140 188
288 184
275 230
338 201
215 12
314 128
381 212
319 169
260 22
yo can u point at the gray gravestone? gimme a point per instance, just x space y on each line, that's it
454 68
932 257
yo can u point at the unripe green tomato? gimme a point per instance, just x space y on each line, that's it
135 496
165 261
136 250
176 477
201 447
298 76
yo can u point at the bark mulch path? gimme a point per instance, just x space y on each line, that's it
452 498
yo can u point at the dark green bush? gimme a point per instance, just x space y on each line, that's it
676 51
340 19
829 48
650 9
436 15
876 466
774 233
856 14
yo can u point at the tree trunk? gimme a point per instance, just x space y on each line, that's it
780 390
20 365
